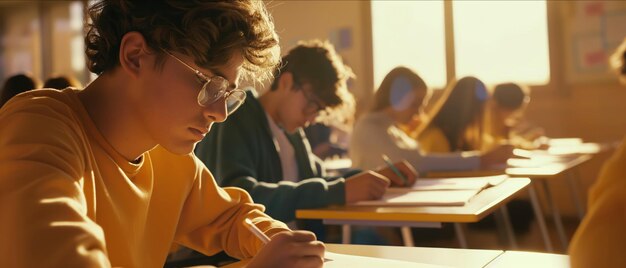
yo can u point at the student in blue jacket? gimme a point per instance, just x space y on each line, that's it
263 149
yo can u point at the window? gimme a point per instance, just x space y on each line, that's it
409 33
502 41
494 41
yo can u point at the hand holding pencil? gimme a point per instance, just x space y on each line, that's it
287 249
400 174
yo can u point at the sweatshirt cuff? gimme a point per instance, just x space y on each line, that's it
337 192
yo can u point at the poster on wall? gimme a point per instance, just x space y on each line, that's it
593 32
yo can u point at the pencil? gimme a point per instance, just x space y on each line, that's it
255 230
394 169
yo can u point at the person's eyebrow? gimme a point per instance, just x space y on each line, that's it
231 85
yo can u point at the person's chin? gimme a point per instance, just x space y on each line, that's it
181 149
292 129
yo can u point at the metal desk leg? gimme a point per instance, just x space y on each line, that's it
556 216
540 219
407 236
460 235
504 213
573 180
346 234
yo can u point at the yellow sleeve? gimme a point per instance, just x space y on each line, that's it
212 219
44 211
600 240
432 140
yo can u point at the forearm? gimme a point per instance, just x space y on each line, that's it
282 199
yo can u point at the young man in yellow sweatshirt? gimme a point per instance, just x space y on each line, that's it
105 177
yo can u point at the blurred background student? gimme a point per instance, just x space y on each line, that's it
458 125
15 85
399 99
61 82
505 121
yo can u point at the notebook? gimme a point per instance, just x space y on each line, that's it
436 192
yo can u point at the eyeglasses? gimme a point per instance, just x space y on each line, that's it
214 88
313 105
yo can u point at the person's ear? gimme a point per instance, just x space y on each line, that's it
133 49
285 81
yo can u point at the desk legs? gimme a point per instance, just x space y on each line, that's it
556 215
346 234
460 235
540 219
573 181
504 214
407 236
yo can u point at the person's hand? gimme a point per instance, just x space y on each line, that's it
407 170
496 157
367 185
290 249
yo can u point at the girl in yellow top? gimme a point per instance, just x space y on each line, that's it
105 176
600 240
456 123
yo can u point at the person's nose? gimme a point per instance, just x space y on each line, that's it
216 111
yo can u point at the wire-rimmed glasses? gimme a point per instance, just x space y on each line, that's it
214 88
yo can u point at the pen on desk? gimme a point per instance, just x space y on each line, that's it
394 169
255 230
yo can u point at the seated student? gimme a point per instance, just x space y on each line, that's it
263 150
15 85
505 119
113 182
456 125
600 240
400 98
61 82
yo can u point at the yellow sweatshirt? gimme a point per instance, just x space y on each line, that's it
68 199
600 240
433 140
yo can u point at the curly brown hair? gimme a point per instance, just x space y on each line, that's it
315 62
208 31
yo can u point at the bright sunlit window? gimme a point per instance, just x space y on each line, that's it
494 41
409 33
502 41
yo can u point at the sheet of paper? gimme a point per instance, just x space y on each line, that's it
409 197
343 260
469 183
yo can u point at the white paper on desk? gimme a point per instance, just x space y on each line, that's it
409 197
344 260
469 183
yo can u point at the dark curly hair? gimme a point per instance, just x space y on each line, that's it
510 95
208 31
315 62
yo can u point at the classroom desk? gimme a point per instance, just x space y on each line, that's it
484 203
451 257
513 259
541 174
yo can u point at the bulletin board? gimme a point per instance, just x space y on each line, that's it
593 29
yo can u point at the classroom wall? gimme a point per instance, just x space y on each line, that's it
592 110
37 38
340 22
